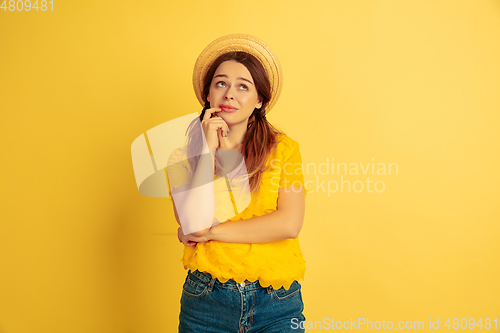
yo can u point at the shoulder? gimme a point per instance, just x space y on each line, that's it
177 155
285 141
285 149
286 144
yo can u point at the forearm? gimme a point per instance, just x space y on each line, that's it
271 227
204 172
194 202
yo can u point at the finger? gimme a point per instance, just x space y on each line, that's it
221 126
209 112
217 123
224 130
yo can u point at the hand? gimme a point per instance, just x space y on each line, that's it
189 239
214 128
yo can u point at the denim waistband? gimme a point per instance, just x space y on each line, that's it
207 277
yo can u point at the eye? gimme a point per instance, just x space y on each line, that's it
243 87
220 84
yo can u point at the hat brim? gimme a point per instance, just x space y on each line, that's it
239 43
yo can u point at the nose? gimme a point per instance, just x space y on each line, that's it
229 94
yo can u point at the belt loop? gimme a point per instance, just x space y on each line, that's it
211 284
269 289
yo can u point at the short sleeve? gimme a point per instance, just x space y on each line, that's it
177 170
291 170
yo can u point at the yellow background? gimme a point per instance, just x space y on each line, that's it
409 82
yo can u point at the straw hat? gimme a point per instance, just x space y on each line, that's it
245 43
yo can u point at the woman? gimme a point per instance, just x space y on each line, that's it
243 273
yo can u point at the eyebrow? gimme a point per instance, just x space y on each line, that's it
240 78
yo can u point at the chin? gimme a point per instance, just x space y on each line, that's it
231 122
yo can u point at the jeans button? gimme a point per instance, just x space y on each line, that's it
242 284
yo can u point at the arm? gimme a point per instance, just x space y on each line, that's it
194 203
286 222
197 205
180 178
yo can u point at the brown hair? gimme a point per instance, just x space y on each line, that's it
261 137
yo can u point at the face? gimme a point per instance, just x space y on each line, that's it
233 90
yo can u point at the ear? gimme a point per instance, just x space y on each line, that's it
208 97
259 105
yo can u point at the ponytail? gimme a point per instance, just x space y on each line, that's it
259 141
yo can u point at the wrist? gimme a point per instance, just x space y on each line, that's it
209 235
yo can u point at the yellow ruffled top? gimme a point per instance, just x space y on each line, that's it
277 263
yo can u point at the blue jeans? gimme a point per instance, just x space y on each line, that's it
207 305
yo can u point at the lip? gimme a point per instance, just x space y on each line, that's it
227 108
